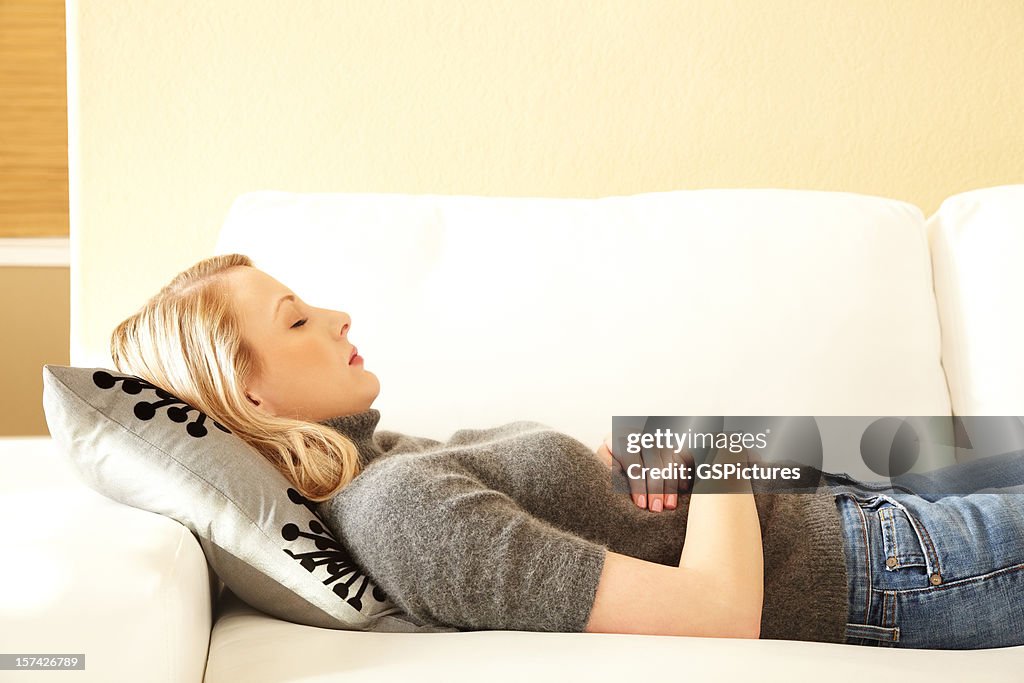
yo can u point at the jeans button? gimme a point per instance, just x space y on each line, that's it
935 579
890 562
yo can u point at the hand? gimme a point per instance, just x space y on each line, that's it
654 494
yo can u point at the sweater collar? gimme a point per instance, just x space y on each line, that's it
360 428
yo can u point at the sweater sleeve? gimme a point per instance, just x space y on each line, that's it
447 549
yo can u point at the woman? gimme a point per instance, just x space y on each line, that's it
522 527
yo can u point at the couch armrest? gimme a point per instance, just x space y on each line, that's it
129 589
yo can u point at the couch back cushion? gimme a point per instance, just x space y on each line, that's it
474 311
977 243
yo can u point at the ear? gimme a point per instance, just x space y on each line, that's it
251 399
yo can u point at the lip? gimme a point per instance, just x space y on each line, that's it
355 353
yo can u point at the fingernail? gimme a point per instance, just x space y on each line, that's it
641 501
656 505
670 502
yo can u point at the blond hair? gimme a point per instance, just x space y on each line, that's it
187 340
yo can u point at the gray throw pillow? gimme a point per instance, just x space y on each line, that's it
139 445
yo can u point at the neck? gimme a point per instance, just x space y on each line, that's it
360 429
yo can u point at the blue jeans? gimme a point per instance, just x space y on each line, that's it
928 569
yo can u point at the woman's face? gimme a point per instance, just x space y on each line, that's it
304 350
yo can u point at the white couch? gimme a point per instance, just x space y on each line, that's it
479 310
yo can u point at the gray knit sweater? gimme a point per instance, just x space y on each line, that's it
506 528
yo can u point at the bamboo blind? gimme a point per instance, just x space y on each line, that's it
33 119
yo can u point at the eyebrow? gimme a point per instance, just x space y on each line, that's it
281 301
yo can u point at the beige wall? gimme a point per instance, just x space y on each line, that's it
34 309
177 107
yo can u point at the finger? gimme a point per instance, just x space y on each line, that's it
619 480
631 463
673 485
655 488
606 456
686 483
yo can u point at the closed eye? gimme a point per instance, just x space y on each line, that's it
300 323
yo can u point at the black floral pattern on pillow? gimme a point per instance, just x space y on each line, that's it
331 553
144 410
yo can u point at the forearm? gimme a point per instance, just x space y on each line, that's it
723 540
